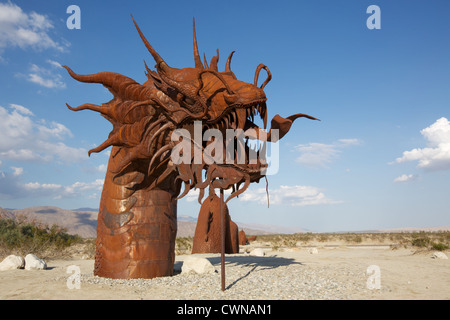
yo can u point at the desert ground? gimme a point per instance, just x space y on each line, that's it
325 271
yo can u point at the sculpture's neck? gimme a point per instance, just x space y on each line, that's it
136 228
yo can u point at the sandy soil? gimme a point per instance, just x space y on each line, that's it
404 274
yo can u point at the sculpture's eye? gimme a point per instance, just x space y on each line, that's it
189 101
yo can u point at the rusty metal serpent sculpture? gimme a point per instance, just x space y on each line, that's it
137 221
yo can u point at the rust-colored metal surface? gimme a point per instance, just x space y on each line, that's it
207 238
137 222
242 238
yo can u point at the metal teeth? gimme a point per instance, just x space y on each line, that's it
255 109
227 121
233 117
230 119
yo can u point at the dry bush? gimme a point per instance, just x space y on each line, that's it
425 240
22 236
183 245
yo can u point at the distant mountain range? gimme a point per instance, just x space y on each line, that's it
83 221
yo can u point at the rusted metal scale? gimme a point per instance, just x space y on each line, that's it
137 221
136 226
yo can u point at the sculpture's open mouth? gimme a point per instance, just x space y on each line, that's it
255 110
233 147
230 160
240 116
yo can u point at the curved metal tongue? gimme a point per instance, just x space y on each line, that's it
279 127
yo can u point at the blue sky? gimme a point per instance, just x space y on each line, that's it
380 157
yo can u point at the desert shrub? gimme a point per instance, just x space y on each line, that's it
289 241
323 237
356 238
24 236
420 242
439 246
446 236
183 245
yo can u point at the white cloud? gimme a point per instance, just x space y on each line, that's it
24 138
194 193
23 155
101 168
13 187
46 77
320 155
23 30
436 156
48 83
53 129
288 195
349 142
316 154
36 186
95 169
21 109
17 171
405 178
62 152
78 187
284 195
57 191
18 190
88 189
54 63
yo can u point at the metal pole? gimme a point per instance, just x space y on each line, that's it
222 231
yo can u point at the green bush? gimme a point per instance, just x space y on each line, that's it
25 236
183 245
439 246
420 242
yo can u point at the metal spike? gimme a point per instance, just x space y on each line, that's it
233 118
226 121
198 61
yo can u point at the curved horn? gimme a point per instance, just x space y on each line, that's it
228 64
100 77
117 83
214 62
206 62
269 75
88 106
160 63
198 61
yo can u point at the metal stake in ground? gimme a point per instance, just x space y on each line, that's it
222 234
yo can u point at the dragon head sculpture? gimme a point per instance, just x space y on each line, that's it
144 118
